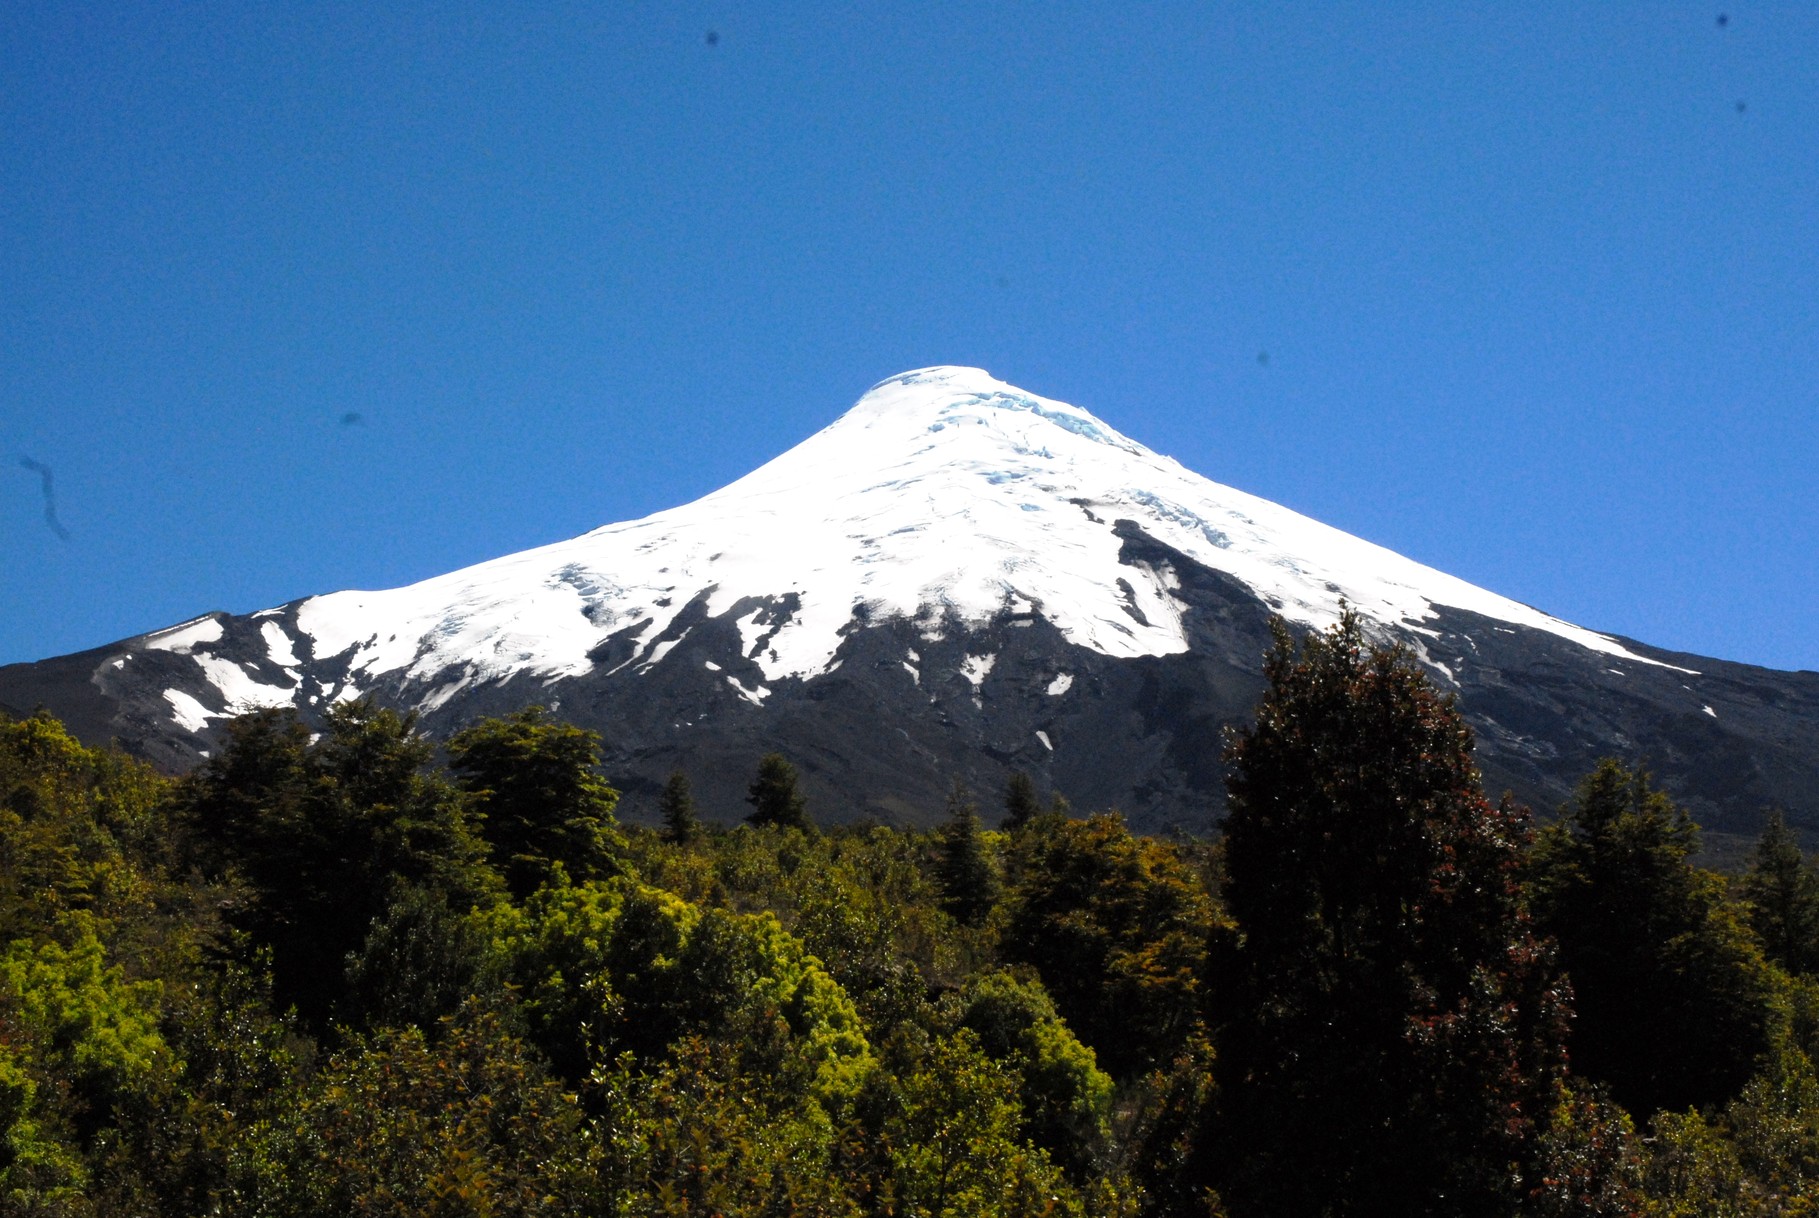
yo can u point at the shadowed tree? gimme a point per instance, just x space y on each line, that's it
325 833
681 823
1782 889
1393 1032
1116 927
536 782
969 881
1674 1001
1020 803
773 795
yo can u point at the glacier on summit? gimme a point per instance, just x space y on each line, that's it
943 494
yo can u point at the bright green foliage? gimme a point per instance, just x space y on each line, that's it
398 1125
1588 1149
681 822
86 1023
622 967
1391 1035
856 933
695 1135
324 834
969 880
1782 890
1774 1126
1020 803
1116 927
81 1054
1691 1170
1066 1099
180 1147
774 797
1674 1001
69 819
954 1146
542 801
1757 1155
40 1173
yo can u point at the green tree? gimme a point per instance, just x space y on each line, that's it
696 1135
537 785
1116 927
182 1146
1065 1097
89 1028
395 1124
79 828
1692 1171
954 1141
1674 1002
853 929
421 960
773 795
681 822
40 1173
621 967
322 835
1392 1035
1782 889
969 881
1020 803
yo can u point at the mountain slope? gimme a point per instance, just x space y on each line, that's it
954 578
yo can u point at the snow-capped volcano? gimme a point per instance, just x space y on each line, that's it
943 496
955 560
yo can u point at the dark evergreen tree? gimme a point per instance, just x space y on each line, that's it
681 823
1782 889
1674 1001
324 834
420 961
773 795
1020 803
238 800
536 782
1392 1035
969 880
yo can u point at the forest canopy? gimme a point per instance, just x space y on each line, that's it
340 970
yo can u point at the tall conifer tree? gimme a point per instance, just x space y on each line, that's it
1020 803
536 781
969 881
774 797
1674 1002
681 823
1782 889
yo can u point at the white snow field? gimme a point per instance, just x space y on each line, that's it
943 496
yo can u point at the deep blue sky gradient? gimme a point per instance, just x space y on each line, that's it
1538 284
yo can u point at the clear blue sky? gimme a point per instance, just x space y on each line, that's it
1538 284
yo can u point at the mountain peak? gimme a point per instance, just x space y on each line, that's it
954 578
933 399
945 498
